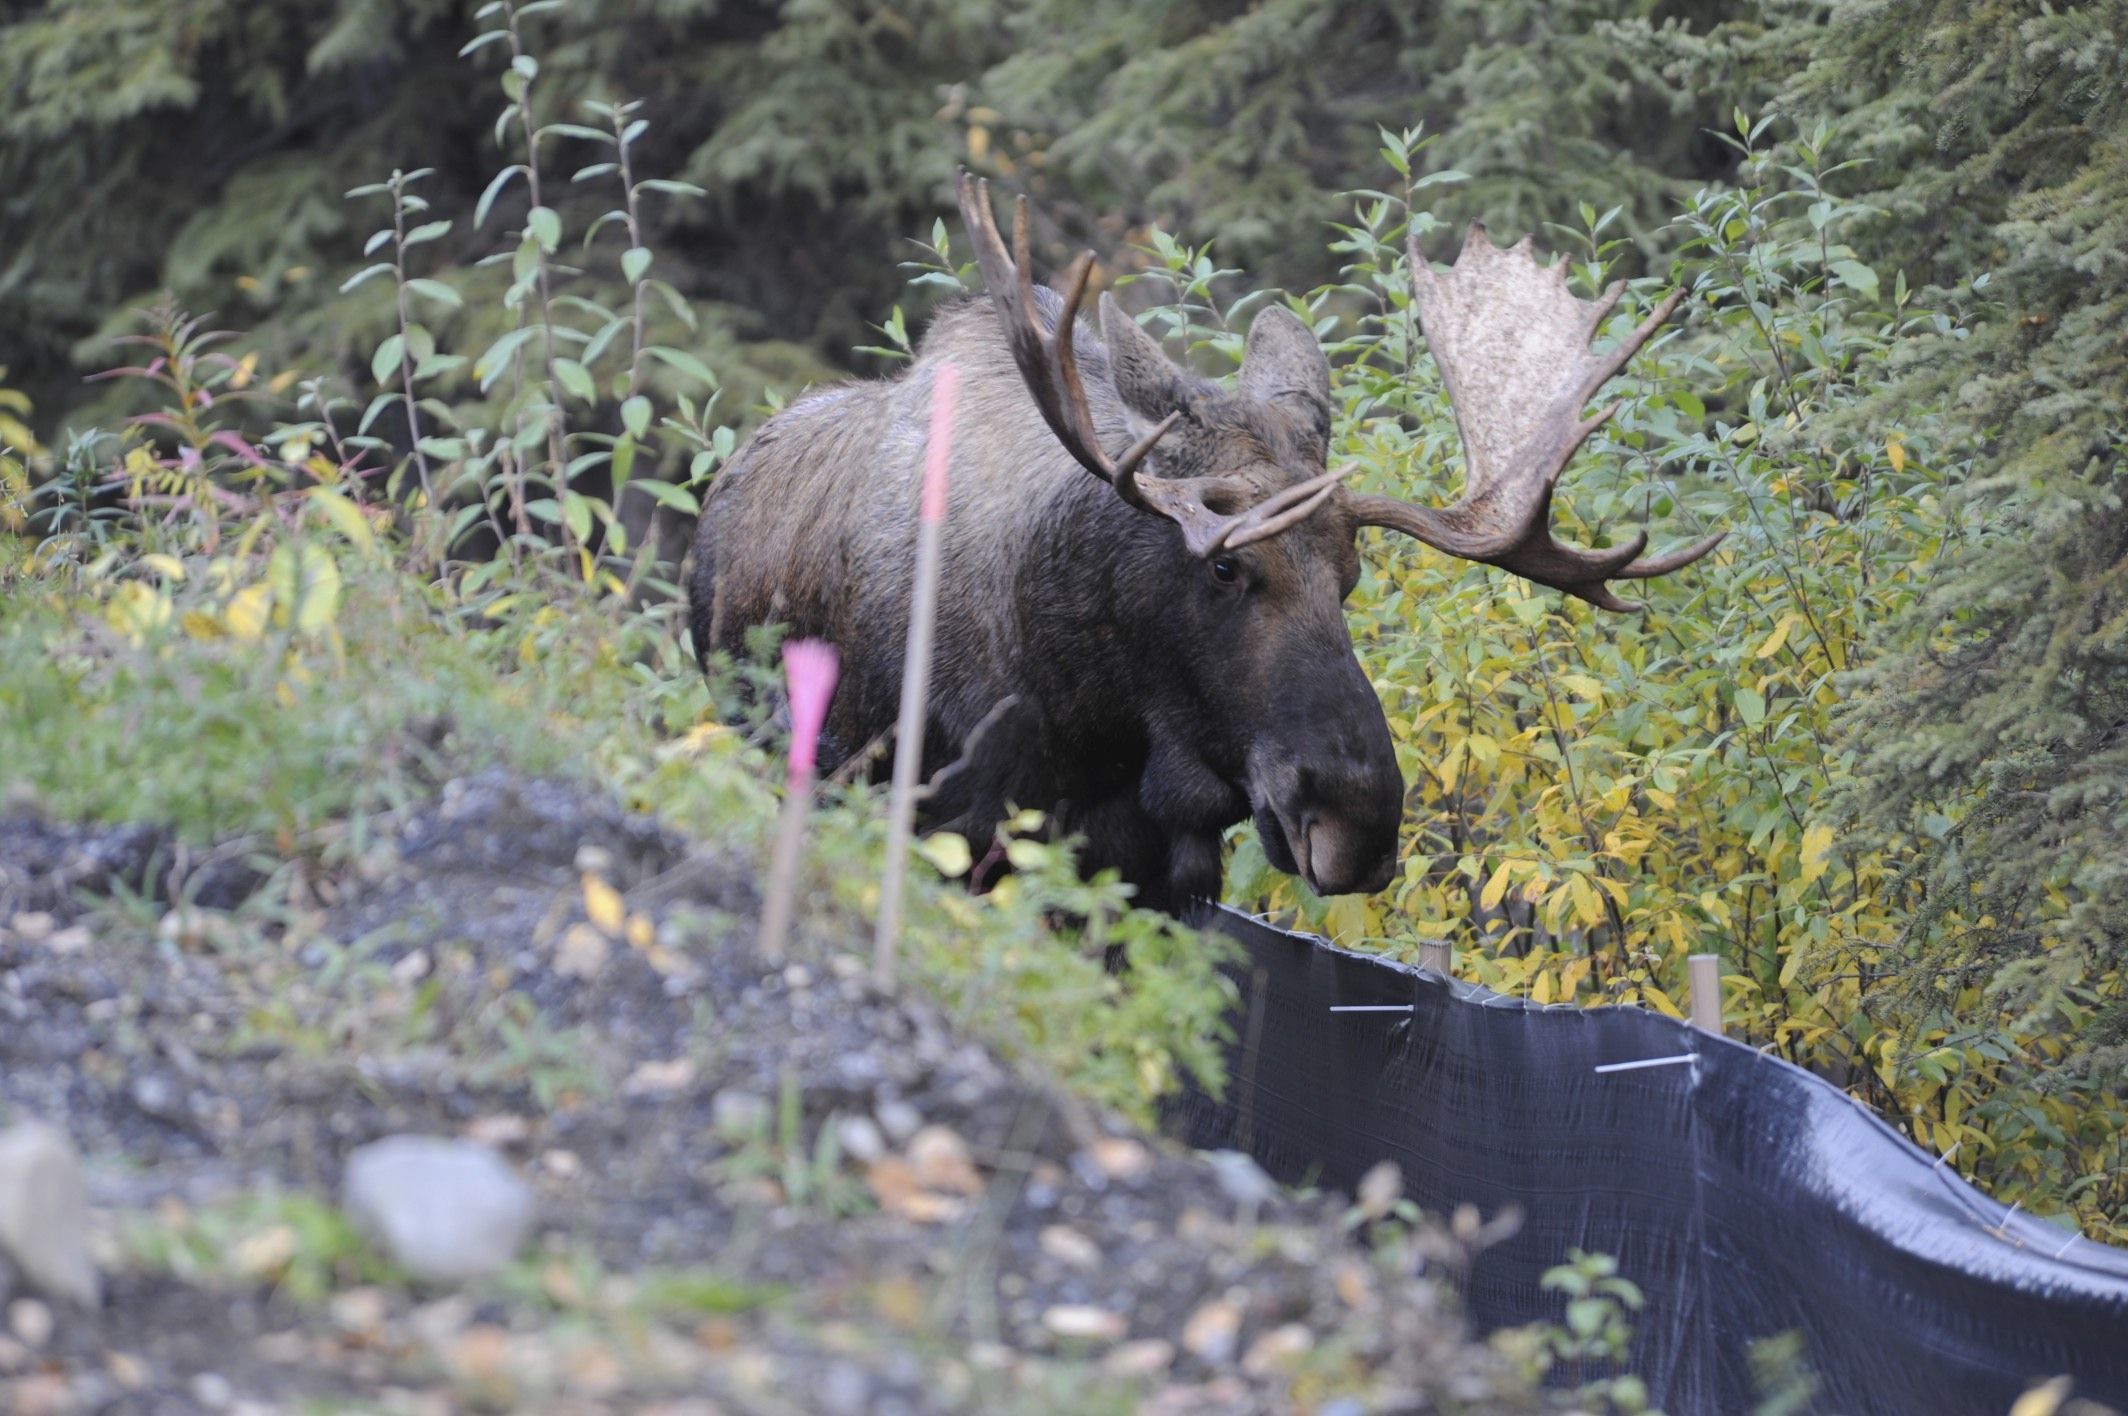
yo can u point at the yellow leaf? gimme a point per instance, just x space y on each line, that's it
1791 964
2043 1400
1895 453
248 610
306 585
1495 888
136 609
1817 844
1588 906
200 625
344 517
169 567
1541 988
948 852
1347 918
602 906
1775 640
1661 1001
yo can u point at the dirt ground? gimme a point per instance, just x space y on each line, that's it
758 1191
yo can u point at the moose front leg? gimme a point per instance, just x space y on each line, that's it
1193 806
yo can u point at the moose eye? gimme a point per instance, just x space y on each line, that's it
1224 570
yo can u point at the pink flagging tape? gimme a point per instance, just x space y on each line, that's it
938 447
810 667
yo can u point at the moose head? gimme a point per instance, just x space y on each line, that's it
1238 549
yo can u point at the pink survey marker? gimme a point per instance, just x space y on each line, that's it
809 669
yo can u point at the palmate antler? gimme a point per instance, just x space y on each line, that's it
1511 342
1049 366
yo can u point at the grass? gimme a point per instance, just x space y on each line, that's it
136 686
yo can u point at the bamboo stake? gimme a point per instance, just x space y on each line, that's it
915 674
1705 972
809 670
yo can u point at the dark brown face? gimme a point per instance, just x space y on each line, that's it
1289 720
1303 732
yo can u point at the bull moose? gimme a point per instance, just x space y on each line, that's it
1156 651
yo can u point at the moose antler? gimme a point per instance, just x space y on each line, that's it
1049 365
1512 342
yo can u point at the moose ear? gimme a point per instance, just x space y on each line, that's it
1283 364
1146 379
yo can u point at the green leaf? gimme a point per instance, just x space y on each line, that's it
494 189
634 261
576 512
384 364
623 463
1856 277
1750 707
427 231
435 290
365 275
577 379
490 365
635 416
545 224
683 361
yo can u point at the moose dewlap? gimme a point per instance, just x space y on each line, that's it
1155 651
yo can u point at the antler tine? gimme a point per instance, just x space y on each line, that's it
1049 363
1511 342
1281 509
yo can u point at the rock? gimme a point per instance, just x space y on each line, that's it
1277 1350
1068 1245
212 1390
444 1210
1083 1320
1147 1357
1241 1178
44 1212
940 1160
1120 1158
860 1139
499 1130
654 1079
31 1321
1212 1331
1379 1189
735 1113
898 1119
582 952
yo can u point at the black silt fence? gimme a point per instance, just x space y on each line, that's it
1746 1197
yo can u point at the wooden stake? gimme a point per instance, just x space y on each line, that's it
915 674
1705 973
1435 954
809 670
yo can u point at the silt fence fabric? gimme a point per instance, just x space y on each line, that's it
1746 1197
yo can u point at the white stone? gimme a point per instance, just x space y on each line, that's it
44 1212
443 1210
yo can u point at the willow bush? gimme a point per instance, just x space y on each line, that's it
1595 797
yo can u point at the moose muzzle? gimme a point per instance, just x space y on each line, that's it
1328 800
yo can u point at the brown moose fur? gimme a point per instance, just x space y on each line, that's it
1147 704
